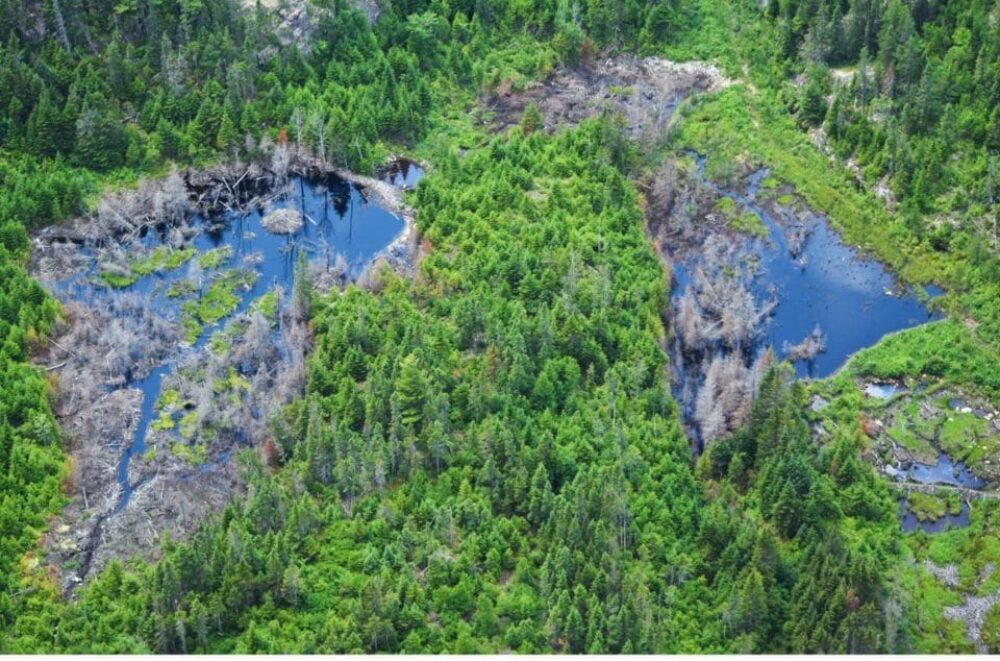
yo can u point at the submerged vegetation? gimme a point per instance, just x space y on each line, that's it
485 456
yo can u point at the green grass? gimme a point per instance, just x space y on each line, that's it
189 425
991 630
218 302
945 349
117 280
267 304
930 507
163 258
968 437
215 258
163 423
193 454
745 222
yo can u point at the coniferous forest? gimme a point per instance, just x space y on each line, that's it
490 326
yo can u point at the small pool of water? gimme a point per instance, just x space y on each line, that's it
910 523
883 390
945 471
341 225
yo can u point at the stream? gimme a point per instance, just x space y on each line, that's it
340 226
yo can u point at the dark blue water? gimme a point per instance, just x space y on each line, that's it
910 522
830 284
338 221
403 173
945 471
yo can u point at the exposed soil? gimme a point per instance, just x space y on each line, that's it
645 91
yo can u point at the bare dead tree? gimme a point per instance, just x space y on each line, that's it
663 190
317 125
280 159
61 25
811 346
298 120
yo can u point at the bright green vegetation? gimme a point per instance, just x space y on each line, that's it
32 465
267 304
931 507
944 349
991 630
163 423
971 550
163 258
188 425
215 257
220 300
969 438
195 454
746 222
223 339
215 303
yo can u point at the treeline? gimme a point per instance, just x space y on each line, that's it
112 84
31 458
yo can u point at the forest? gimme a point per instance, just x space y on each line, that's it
487 453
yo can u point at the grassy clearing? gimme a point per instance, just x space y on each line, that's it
267 304
931 507
969 438
945 349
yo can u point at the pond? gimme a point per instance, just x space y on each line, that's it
851 297
756 272
341 226
883 390
945 471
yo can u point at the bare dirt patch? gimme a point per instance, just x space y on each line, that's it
644 91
